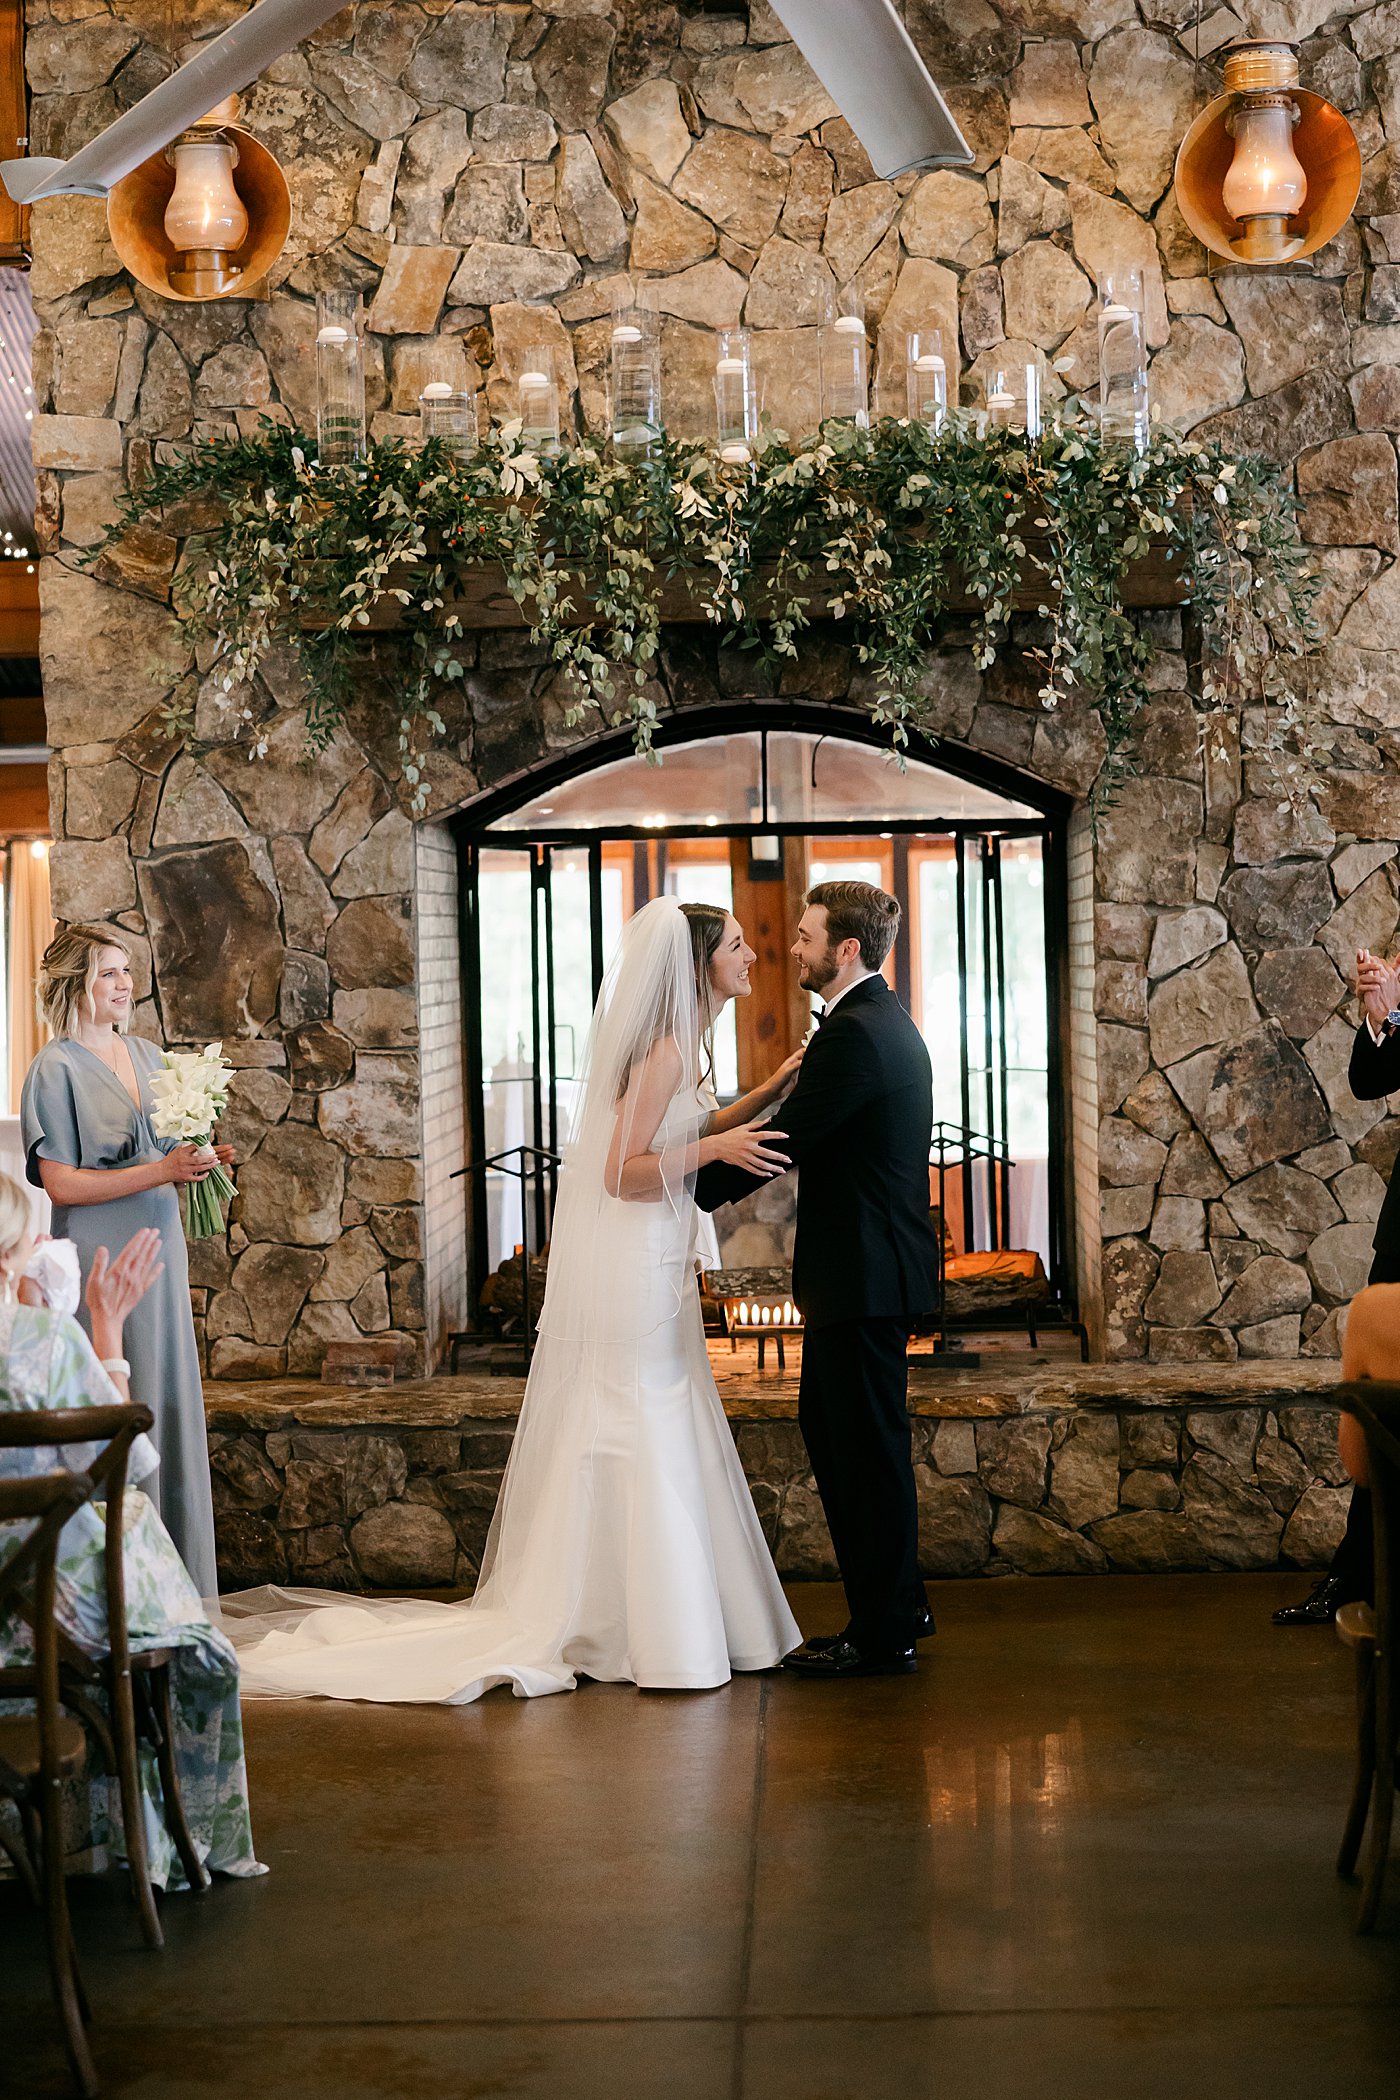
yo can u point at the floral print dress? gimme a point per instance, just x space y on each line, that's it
46 1361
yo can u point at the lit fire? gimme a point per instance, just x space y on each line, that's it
753 1317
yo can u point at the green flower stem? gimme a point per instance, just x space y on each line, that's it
204 1204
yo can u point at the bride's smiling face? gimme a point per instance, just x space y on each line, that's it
729 965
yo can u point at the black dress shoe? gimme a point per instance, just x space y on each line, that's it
924 1631
844 1659
1318 1608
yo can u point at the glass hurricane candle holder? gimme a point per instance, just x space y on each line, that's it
1124 412
927 378
736 408
539 400
635 389
340 379
1013 398
844 357
449 413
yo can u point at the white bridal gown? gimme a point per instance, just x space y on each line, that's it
625 1546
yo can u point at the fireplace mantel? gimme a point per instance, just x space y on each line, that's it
1153 582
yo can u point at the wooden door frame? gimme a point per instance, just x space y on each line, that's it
14 130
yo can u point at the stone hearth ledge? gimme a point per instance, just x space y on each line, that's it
750 1396
1068 1469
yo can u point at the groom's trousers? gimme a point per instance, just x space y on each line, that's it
852 1410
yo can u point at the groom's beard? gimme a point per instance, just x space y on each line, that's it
816 976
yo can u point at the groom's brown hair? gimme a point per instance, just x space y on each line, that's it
857 911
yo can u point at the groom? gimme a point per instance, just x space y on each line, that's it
858 1124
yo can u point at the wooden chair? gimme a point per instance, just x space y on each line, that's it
136 1688
39 1751
1371 1632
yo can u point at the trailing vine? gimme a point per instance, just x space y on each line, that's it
891 530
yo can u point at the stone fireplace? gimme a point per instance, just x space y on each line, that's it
481 171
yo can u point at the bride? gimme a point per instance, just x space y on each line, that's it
625 1544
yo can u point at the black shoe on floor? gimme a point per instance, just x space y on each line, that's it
844 1659
1318 1608
924 1631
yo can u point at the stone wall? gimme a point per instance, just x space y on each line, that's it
1041 1474
482 172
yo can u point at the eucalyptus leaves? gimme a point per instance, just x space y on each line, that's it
885 528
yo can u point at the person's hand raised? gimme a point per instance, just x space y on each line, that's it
1377 985
114 1287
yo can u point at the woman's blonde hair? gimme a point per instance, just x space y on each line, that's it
68 973
16 1218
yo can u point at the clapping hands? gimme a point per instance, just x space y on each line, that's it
116 1286
1377 985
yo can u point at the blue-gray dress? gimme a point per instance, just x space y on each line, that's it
74 1109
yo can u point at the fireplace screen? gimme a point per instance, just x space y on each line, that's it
749 820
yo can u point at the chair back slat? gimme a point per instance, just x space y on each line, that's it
48 1502
116 1427
23 1427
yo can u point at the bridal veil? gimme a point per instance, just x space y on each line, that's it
623 1507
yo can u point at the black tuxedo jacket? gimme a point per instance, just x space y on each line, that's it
1374 1071
858 1124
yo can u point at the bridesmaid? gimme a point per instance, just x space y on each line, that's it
85 1116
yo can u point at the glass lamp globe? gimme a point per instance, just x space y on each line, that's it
206 221
1265 184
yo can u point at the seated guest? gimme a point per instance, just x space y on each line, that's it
1374 1072
47 1362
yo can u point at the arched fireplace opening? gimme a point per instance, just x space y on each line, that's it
746 806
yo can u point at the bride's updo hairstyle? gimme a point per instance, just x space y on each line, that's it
68 973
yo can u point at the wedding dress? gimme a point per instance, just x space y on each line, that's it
625 1545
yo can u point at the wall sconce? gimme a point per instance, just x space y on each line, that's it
207 216
1269 172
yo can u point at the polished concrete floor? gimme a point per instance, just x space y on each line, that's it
1084 1855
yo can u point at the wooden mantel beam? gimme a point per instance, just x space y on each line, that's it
1152 582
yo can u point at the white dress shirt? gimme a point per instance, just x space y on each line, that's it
831 1005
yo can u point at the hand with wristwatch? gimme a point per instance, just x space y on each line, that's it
1378 987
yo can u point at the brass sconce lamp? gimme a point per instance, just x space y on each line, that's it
1269 172
207 216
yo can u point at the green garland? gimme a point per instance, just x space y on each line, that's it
882 523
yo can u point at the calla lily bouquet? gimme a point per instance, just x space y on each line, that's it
190 1092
